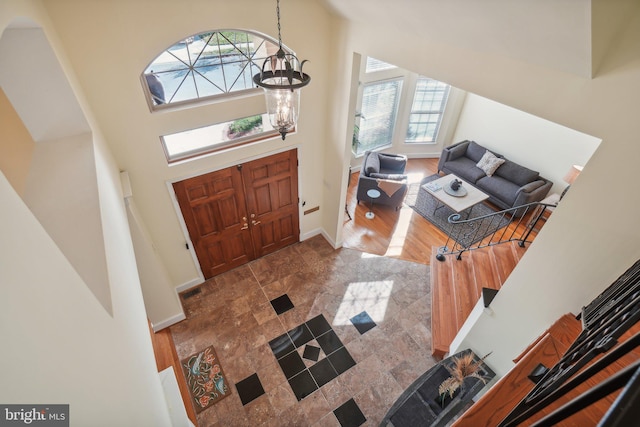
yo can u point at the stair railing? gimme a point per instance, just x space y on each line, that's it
514 224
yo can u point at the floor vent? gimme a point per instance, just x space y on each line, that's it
191 293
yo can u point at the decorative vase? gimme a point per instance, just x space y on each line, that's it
455 184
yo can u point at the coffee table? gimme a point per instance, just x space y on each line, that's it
463 201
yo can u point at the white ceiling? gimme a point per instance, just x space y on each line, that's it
549 33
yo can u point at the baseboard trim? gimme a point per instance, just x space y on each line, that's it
168 322
188 285
324 234
310 234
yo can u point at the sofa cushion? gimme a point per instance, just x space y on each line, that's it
458 151
392 163
466 169
489 163
517 174
475 151
372 164
499 187
533 185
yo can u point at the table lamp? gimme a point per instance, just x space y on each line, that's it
570 177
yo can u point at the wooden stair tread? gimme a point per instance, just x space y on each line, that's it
496 404
456 286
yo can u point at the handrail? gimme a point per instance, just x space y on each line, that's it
491 229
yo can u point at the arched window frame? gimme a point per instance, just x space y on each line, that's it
194 63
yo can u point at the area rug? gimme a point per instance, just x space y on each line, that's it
205 378
466 235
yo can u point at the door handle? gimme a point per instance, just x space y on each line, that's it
245 226
255 222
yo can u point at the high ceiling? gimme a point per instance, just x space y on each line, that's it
549 33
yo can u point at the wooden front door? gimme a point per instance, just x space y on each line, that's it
271 186
240 213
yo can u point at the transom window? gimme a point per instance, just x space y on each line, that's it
193 143
374 65
204 66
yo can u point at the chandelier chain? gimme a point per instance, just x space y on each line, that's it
278 15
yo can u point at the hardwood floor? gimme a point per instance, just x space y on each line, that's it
456 285
401 234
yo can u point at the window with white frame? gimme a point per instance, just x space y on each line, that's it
374 65
377 118
396 107
429 102
205 66
217 137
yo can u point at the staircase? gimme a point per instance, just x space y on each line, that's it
456 287
457 283
518 224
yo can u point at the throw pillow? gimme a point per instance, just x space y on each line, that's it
489 163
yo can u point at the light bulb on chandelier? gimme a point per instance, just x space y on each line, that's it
281 77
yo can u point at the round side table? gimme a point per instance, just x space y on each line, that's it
372 194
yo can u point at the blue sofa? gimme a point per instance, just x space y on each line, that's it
509 186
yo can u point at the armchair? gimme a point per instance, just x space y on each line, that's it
383 172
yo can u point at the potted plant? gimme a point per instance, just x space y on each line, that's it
462 367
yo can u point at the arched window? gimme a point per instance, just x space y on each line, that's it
205 66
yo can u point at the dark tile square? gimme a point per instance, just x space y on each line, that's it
329 342
282 304
349 414
363 322
341 360
281 346
323 372
311 352
300 335
291 364
318 325
302 385
249 388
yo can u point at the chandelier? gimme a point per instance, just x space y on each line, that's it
281 77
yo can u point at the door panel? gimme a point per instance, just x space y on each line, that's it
241 213
214 210
271 186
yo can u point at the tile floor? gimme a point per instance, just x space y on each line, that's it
311 336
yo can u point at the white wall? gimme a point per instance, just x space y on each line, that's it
16 146
60 187
578 252
111 43
584 246
60 345
153 275
536 143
